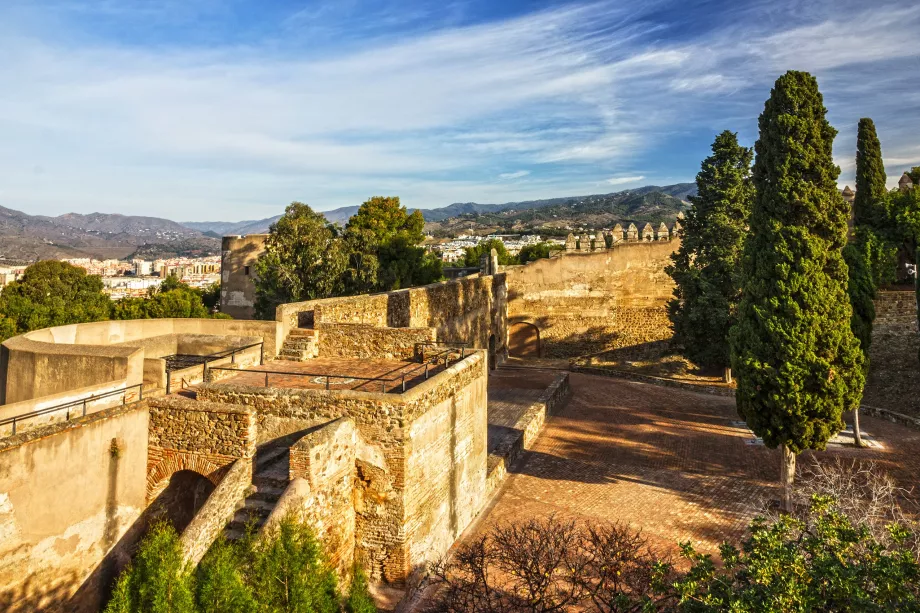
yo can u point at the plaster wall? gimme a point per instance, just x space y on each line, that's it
66 500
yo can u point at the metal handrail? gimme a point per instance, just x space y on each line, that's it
383 380
76 403
213 357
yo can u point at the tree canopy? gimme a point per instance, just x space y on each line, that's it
869 203
705 268
51 293
472 255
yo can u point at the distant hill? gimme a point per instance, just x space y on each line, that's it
678 192
26 238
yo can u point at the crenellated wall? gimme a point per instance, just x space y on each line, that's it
587 302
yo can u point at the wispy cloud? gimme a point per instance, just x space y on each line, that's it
624 180
427 106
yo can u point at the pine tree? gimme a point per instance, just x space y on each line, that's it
868 207
797 362
705 268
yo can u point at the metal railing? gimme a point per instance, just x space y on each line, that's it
191 360
422 369
74 404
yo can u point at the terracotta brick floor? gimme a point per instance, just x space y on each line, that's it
310 374
675 464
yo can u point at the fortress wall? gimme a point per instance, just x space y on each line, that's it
67 499
431 480
588 302
366 341
472 310
65 358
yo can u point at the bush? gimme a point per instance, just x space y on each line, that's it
283 572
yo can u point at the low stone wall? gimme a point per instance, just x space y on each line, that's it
529 425
588 302
713 390
367 341
70 495
200 436
217 511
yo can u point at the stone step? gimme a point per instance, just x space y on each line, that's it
290 358
304 345
293 353
302 332
267 456
268 493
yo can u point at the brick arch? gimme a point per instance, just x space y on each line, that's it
524 340
160 470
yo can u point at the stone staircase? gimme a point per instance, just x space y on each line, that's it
300 345
270 478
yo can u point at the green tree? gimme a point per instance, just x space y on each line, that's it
861 290
472 255
221 580
868 207
705 268
51 293
359 596
304 259
158 580
394 236
530 253
824 562
797 362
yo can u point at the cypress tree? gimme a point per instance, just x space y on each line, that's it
797 362
868 207
705 268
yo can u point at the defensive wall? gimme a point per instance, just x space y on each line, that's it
237 271
583 302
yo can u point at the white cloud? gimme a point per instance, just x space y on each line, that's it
624 180
514 175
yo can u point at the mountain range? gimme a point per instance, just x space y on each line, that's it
25 238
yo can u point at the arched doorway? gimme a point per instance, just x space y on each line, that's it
183 497
523 340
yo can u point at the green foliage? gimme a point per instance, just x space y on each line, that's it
210 296
914 174
905 209
285 572
304 259
530 253
51 293
823 562
394 236
705 268
880 251
359 597
861 290
472 255
158 579
797 361
171 299
868 207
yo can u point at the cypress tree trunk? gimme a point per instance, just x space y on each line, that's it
727 375
857 437
787 477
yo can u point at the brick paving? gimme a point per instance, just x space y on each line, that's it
347 371
676 464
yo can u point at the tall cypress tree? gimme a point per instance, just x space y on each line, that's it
868 207
797 362
706 266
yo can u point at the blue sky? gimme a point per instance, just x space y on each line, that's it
230 109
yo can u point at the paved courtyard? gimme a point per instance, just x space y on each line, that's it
676 464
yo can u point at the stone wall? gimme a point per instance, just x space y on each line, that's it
431 441
894 369
217 511
367 341
471 310
587 302
200 436
237 272
70 494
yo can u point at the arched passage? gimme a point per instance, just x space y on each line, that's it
492 356
182 498
523 340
